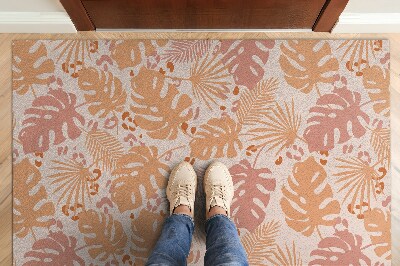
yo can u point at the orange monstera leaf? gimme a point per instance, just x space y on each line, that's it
51 114
252 187
129 53
104 235
103 92
30 66
376 80
307 199
216 139
135 171
307 64
377 223
31 206
332 116
163 113
146 229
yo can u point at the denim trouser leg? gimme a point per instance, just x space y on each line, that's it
173 246
223 243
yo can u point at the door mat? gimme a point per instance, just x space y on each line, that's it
303 126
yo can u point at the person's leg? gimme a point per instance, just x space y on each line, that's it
173 246
223 242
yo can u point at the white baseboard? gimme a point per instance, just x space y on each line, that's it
368 23
36 22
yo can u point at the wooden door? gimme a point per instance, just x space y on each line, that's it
319 15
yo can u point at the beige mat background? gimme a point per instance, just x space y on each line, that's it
5 114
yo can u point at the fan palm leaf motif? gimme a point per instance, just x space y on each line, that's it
359 53
279 128
254 104
208 77
380 141
290 258
360 180
73 54
186 51
76 183
260 243
104 148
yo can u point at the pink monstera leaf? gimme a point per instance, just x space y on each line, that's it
343 248
57 249
48 118
245 60
335 111
251 194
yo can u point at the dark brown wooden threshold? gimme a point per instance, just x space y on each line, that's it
329 15
78 15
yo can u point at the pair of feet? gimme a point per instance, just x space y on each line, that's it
218 186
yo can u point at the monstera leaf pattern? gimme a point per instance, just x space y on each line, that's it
34 211
31 67
104 92
49 114
333 112
103 235
217 138
148 235
158 115
343 248
134 170
57 249
131 53
307 201
246 59
376 81
377 223
302 125
308 64
252 187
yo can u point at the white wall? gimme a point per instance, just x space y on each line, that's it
372 6
31 6
34 16
369 16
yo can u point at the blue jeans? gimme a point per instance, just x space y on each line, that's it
223 243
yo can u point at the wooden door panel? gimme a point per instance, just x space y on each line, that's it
204 14
319 15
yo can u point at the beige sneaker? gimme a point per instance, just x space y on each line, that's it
218 186
181 189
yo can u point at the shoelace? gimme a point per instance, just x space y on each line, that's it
184 190
218 191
